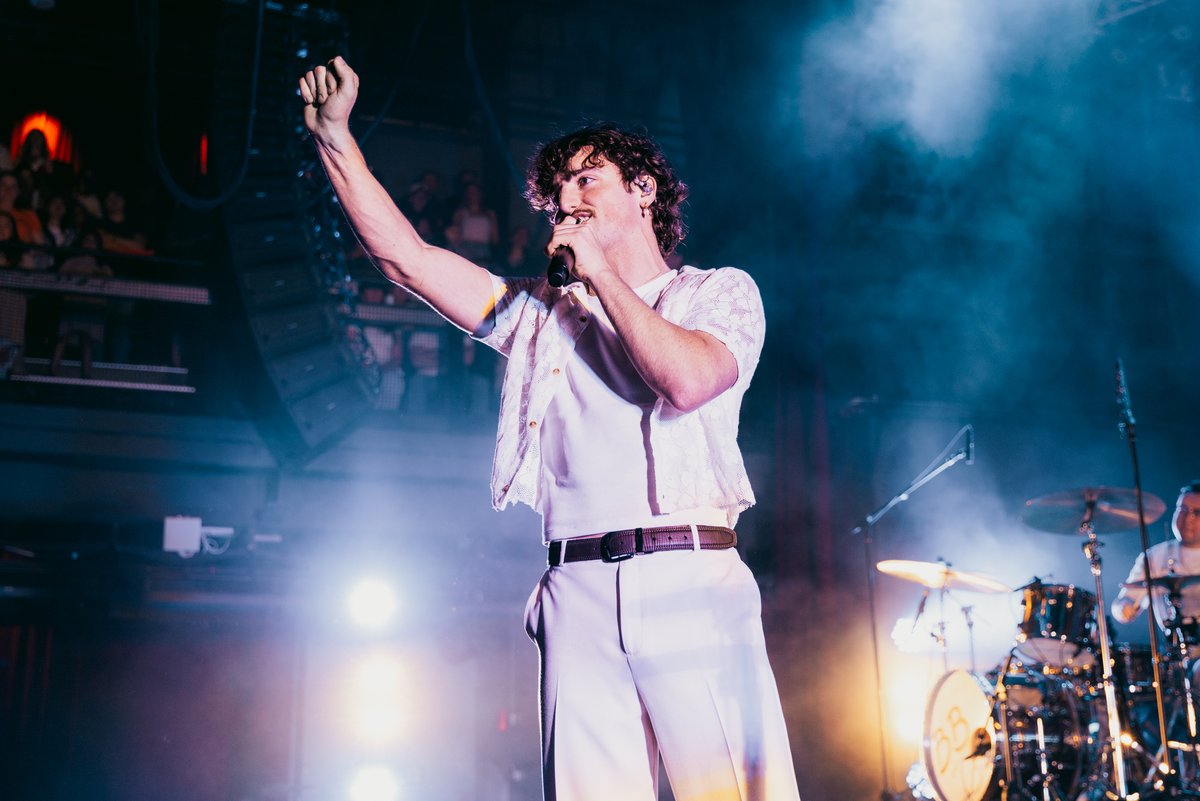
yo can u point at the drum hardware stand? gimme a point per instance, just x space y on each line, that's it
1128 428
966 610
1044 765
1185 662
1091 549
939 636
1162 758
1002 698
867 529
1189 697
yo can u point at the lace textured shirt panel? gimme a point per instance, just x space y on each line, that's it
696 460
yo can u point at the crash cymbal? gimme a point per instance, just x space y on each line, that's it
937 575
1171 582
1112 509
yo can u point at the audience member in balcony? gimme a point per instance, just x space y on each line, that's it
57 222
89 263
78 217
87 197
478 233
29 227
432 181
83 317
422 358
389 355
13 305
521 257
418 206
30 191
35 171
35 153
11 253
118 232
464 179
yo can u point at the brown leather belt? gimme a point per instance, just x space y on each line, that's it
618 545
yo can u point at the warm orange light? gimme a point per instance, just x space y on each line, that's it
58 139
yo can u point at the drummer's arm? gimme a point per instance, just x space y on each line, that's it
1130 601
1125 607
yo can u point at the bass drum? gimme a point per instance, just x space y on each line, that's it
965 748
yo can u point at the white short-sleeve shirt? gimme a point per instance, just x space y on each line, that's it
694 457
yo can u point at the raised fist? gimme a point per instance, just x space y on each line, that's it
329 93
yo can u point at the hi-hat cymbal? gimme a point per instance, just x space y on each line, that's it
1112 509
1171 582
937 575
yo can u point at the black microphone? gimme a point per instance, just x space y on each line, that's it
1123 396
562 262
970 444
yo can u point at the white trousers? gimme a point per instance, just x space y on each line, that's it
661 653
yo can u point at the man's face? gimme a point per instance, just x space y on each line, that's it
1186 522
598 194
114 202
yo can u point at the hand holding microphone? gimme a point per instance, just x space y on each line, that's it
561 268
562 262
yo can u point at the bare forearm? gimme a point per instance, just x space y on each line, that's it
686 368
458 290
388 238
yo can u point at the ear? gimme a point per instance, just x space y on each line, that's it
646 188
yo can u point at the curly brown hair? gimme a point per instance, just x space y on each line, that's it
634 154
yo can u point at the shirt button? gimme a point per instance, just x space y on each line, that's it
533 423
583 318
555 371
505 488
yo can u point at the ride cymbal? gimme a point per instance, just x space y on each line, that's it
1108 509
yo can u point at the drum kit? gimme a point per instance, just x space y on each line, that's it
1068 715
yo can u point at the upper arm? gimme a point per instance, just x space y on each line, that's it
458 289
728 308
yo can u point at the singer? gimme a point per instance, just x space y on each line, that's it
618 423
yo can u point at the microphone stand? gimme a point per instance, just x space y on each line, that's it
1128 428
867 529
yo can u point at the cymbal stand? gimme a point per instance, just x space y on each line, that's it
1091 549
1048 793
939 632
1189 697
966 610
867 529
1179 642
1002 707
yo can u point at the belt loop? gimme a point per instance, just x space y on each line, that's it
695 537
